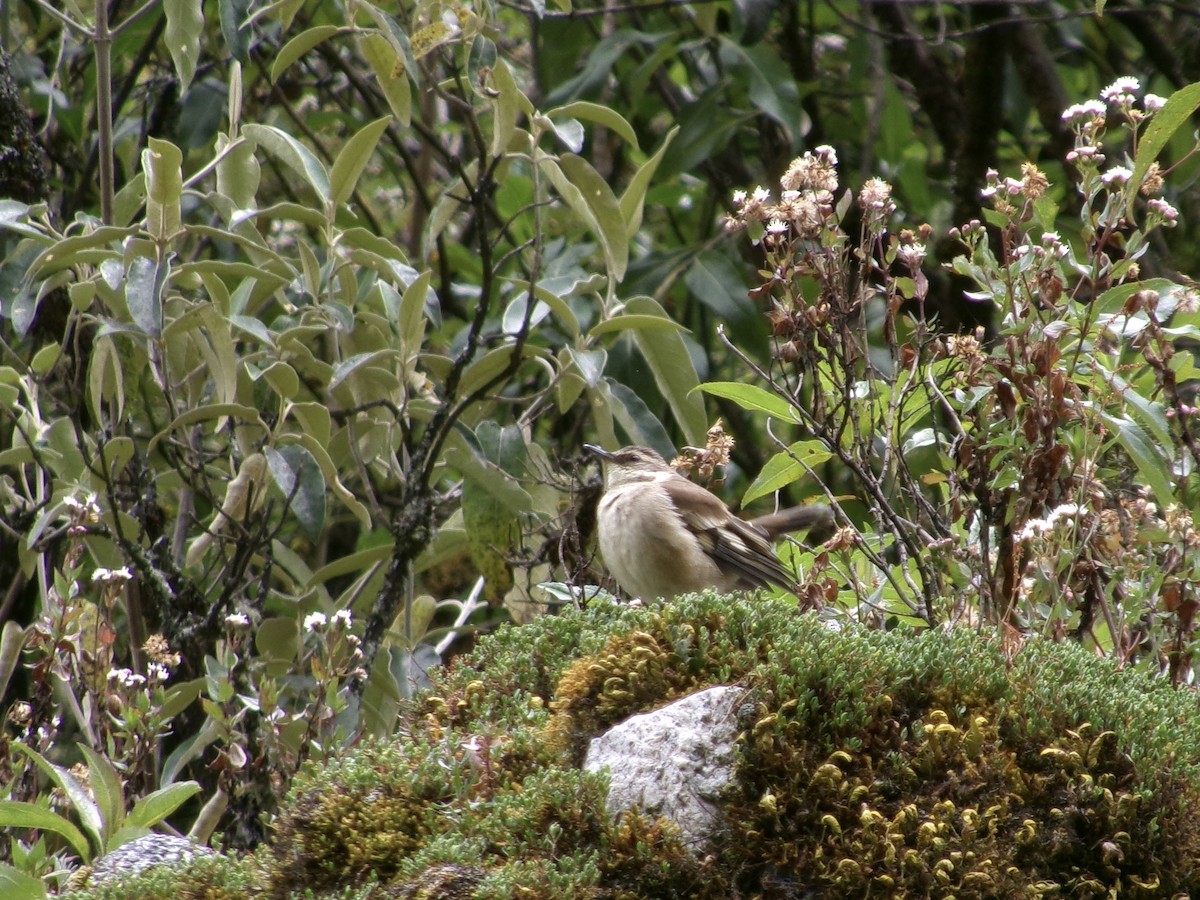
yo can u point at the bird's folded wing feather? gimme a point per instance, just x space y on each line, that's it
737 547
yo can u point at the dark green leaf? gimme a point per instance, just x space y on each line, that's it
299 478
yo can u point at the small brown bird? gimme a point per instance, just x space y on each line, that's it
662 535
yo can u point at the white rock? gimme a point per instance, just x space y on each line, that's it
674 761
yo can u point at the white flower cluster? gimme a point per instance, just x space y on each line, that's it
1066 512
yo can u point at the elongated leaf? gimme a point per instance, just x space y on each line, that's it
108 790
412 318
751 397
185 28
1149 461
80 797
153 808
786 467
144 283
299 45
634 199
349 165
1175 114
389 75
771 88
594 112
630 321
348 366
235 28
674 371
592 200
70 251
508 107
292 154
211 411
298 476
16 885
18 814
162 164
320 453
635 416
179 697
396 36
12 641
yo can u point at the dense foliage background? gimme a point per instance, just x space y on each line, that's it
308 308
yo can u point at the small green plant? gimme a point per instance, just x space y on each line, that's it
1040 475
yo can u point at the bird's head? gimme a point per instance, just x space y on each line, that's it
633 463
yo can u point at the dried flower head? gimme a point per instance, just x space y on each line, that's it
814 171
1033 182
157 650
876 202
1152 181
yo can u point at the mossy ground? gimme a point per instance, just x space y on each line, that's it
870 764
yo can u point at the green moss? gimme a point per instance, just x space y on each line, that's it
869 763
203 878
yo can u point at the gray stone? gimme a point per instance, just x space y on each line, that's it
674 761
143 853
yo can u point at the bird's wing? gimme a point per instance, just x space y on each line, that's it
738 547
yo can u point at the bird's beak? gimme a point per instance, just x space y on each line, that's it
597 451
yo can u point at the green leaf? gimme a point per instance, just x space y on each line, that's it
235 28
79 796
592 200
313 443
12 642
389 75
299 45
349 165
352 563
278 639
786 467
1145 455
477 467
626 321
185 29
770 85
292 154
594 112
674 372
71 251
348 366
18 814
16 885
179 697
492 501
162 163
509 102
298 477
634 198
396 37
210 411
108 790
751 397
155 807
635 416
144 282
1175 114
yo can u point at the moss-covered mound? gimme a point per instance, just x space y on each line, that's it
870 764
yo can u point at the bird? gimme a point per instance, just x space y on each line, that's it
662 535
